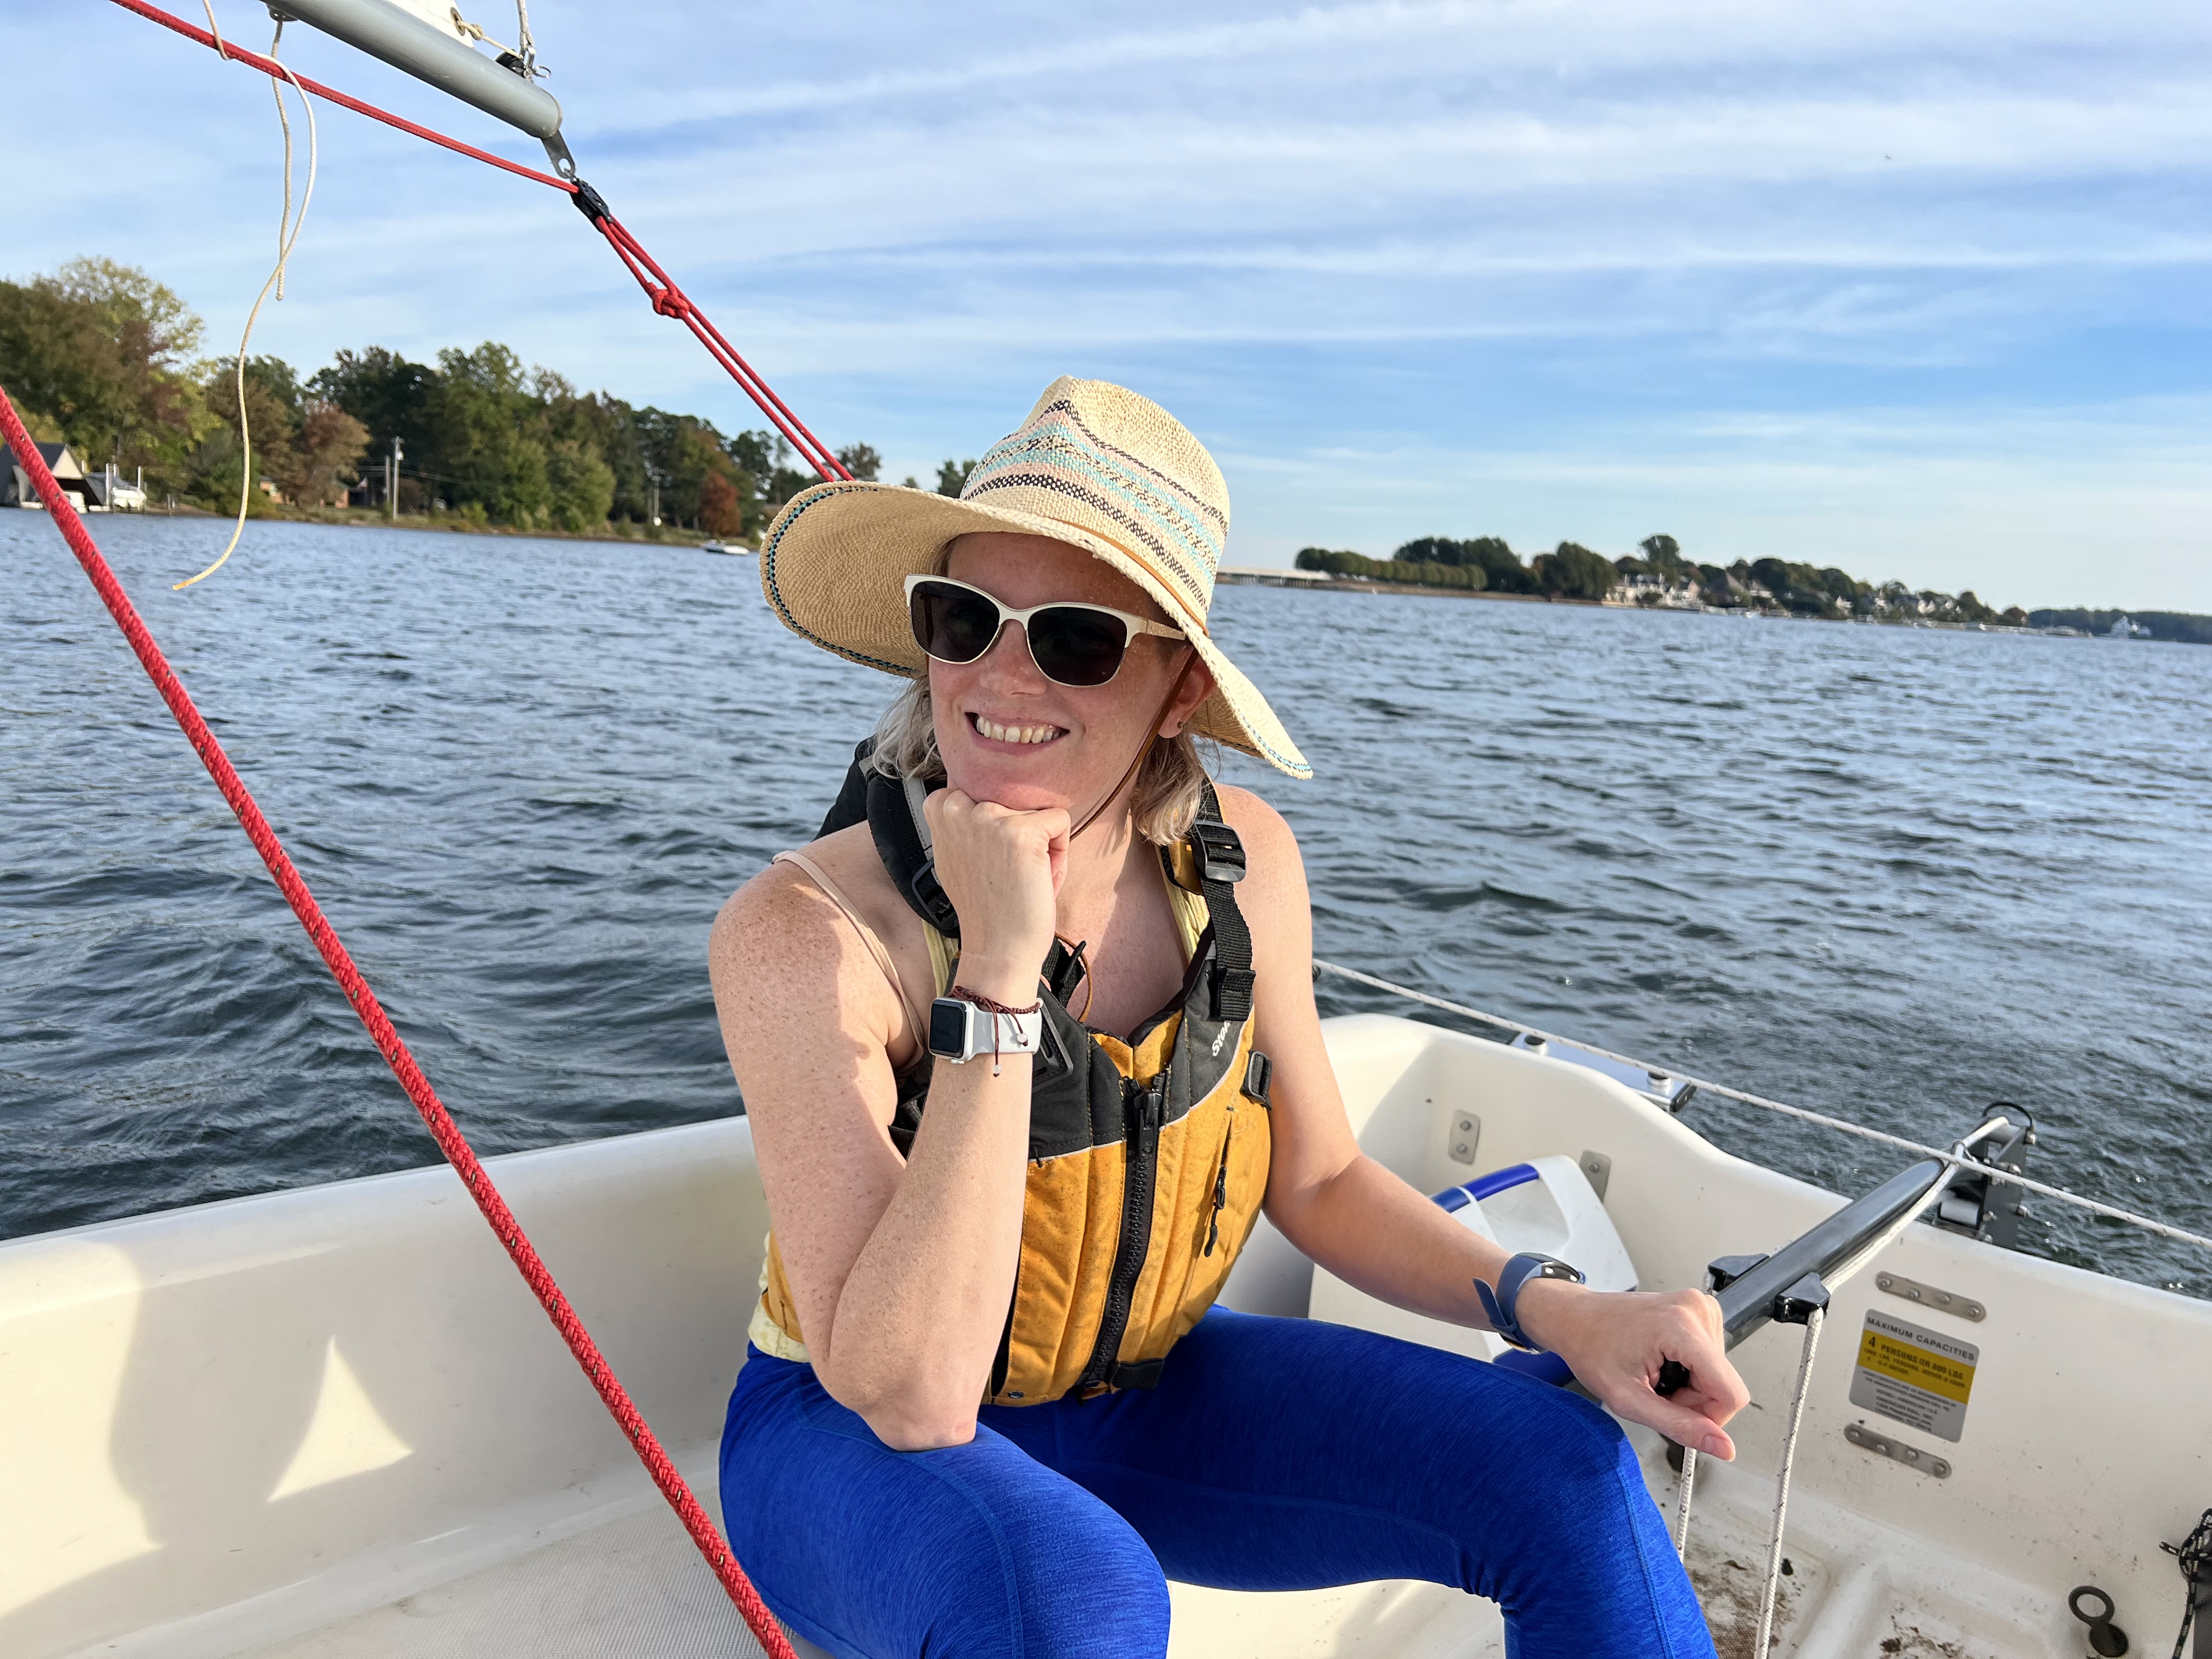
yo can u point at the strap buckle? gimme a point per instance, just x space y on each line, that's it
1220 851
1231 990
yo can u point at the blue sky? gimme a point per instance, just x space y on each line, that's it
1918 290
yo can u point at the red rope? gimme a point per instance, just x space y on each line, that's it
667 299
443 1130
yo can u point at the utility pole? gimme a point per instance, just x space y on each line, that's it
391 478
653 474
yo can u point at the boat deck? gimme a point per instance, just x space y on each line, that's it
635 1585
326 1423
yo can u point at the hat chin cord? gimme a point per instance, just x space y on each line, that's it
1145 749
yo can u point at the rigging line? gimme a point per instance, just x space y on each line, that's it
2095 1206
288 237
667 299
670 300
1812 1323
389 1043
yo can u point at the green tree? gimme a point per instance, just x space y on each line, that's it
581 485
388 395
861 460
952 476
483 451
1420 573
101 354
1573 572
211 469
1501 567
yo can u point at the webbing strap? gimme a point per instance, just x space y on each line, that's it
1135 1374
1220 855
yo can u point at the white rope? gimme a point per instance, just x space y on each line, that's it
1812 1323
1682 1501
2094 1206
524 51
287 236
475 32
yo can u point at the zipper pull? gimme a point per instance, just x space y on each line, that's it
1220 1192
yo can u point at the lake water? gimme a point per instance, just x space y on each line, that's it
1890 874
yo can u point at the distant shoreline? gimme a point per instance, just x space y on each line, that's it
446 523
1284 576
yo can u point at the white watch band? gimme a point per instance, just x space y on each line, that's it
960 1031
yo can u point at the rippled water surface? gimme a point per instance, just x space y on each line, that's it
1889 874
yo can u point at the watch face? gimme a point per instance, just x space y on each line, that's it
948 1028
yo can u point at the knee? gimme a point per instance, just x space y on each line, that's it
1092 1593
1554 1471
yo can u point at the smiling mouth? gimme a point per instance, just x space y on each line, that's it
1021 734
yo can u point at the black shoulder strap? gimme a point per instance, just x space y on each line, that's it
881 803
851 806
1219 853
891 815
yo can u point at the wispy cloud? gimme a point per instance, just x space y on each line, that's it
1581 262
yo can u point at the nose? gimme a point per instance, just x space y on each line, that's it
1008 666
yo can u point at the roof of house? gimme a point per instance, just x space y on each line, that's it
61 460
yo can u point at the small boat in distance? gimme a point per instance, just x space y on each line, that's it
714 545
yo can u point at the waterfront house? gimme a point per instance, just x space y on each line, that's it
15 487
108 491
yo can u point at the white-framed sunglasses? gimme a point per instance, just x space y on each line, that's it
1070 642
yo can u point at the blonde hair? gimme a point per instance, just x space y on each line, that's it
1170 788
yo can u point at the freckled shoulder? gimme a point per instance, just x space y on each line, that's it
1260 825
779 921
783 949
1277 881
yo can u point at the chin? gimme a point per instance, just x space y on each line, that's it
1017 787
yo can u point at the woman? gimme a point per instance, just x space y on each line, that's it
989 1406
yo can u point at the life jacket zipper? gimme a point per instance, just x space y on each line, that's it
1143 1108
1220 1191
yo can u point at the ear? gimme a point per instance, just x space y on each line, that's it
1197 686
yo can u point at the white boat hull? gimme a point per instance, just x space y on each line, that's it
333 1421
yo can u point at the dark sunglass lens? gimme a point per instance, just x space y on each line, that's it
1076 646
952 624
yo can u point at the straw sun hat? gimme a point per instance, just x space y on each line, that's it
1095 467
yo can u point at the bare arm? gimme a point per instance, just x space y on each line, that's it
902 1271
1369 1227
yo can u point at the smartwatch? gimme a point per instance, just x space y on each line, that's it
959 1031
1499 1304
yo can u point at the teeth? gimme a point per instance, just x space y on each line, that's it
998 733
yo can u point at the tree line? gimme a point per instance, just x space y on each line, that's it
102 357
2184 626
1657 573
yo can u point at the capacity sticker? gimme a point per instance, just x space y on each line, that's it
1920 1377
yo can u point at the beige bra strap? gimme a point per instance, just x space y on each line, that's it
915 1023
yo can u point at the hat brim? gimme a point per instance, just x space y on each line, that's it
833 567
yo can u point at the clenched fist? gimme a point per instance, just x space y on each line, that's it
1002 870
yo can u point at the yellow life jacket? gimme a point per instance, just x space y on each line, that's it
1148 1156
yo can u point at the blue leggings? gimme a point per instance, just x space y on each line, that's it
1275 1453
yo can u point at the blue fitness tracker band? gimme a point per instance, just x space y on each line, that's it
1499 1304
